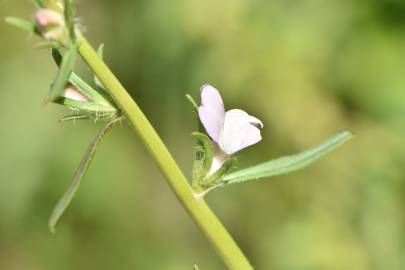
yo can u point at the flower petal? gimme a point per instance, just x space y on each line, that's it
211 111
240 131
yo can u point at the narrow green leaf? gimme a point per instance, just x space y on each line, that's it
193 103
69 19
195 110
63 203
196 267
22 24
74 117
89 91
100 52
83 87
63 75
57 56
289 163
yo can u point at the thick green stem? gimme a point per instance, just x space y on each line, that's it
196 207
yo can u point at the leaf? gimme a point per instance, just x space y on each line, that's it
96 98
100 52
289 163
193 103
64 202
69 19
57 56
74 117
22 24
63 75
196 267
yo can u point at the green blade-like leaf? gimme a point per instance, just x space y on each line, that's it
69 19
100 52
63 203
74 117
22 24
193 103
57 56
196 267
289 163
63 75
80 84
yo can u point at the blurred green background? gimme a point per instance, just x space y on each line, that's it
308 69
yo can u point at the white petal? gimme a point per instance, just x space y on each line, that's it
211 111
240 131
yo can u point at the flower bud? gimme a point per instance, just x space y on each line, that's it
51 25
73 93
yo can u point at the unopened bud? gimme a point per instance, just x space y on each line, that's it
51 25
73 93
47 18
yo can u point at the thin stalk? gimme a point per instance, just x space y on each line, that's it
196 207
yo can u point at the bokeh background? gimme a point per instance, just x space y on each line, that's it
308 69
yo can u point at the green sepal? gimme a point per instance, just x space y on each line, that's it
84 88
69 20
22 24
74 117
99 110
216 178
203 158
289 163
62 78
64 202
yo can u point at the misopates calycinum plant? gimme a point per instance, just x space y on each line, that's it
220 136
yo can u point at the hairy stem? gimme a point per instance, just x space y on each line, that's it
196 207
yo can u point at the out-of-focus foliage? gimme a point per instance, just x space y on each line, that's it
308 69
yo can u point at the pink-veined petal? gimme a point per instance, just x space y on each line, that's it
211 111
239 131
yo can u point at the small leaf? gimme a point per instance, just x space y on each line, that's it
100 52
74 117
22 24
57 56
195 110
69 19
63 75
193 103
196 267
63 203
289 163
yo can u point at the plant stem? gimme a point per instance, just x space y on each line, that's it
196 207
